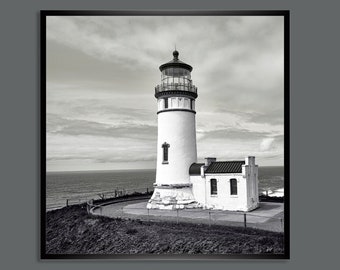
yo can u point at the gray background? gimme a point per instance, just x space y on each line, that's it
314 129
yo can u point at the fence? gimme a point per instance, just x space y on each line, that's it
124 192
197 216
103 196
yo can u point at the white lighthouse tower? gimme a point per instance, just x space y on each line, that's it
176 144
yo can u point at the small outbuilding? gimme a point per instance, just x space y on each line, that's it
225 185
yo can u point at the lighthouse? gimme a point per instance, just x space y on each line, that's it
176 141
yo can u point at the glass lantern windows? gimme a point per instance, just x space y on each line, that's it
179 76
176 72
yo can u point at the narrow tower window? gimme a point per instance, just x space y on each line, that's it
213 186
192 104
166 103
165 147
233 186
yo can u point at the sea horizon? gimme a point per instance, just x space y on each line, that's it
118 170
87 184
112 170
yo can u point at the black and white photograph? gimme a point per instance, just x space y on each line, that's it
165 135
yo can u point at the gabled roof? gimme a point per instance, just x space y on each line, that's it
225 167
195 168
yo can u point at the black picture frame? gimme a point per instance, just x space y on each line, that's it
45 13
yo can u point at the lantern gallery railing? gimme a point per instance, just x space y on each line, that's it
175 86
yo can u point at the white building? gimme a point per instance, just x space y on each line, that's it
181 182
226 185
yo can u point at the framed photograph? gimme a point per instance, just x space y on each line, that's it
164 135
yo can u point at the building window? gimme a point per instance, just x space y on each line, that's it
166 103
180 102
233 187
213 186
174 103
165 147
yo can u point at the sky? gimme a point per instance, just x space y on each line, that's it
102 70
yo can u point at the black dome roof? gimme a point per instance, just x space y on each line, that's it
175 63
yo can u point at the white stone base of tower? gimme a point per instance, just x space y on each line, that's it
173 197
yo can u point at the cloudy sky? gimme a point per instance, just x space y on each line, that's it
101 74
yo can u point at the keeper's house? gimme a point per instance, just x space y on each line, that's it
225 185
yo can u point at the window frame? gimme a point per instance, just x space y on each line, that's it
213 187
165 147
233 187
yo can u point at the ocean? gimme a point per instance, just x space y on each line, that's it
86 185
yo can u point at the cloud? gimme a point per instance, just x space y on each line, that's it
229 144
234 134
84 148
106 158
266 144
101 73
113 39
74 127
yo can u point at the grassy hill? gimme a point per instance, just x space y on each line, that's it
71 230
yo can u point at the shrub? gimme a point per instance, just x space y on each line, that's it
131 231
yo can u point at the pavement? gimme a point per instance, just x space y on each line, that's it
269 216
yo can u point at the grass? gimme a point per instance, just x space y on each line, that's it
71 230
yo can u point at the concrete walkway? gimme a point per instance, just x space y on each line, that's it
269 216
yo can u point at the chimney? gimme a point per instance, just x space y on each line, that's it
203 171
250 160
209 160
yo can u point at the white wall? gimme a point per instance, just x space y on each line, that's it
247 189
250 171
199 188
160 103
175 103
178 129
223 199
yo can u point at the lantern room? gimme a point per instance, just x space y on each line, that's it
176 76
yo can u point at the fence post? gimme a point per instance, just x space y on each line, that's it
148 215
245 220
281 222
177 215
209 219
66 202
